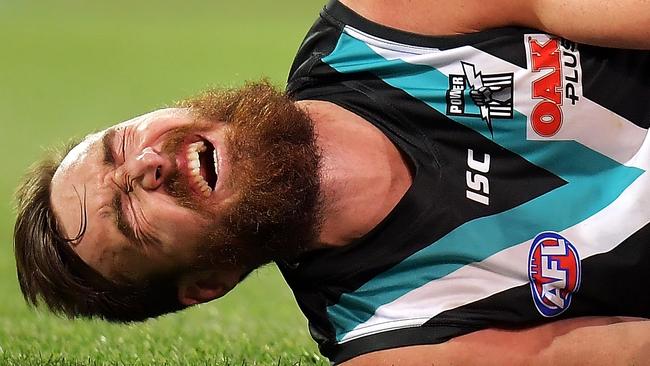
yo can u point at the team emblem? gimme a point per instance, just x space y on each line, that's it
554 272
490 95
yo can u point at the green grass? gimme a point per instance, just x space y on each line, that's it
70 67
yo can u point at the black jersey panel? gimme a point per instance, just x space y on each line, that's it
319 41
505 49
627 293
618 80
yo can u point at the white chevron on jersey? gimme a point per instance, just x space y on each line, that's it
591 125
603 131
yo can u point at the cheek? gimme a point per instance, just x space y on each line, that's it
122 262
181 231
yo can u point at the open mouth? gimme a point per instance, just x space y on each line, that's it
202 164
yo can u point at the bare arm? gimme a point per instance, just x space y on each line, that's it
621 23
583 341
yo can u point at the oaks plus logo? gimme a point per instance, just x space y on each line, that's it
555 64
554 273
475 94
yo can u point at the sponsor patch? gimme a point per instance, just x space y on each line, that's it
557 84
554 272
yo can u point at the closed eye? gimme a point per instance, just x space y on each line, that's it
124 145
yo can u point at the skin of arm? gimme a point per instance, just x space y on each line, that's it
621 24
606 341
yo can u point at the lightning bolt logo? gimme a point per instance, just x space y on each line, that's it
475 81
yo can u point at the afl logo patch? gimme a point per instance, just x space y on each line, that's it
554 272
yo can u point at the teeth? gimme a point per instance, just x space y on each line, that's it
205 189
216 165
194 166
198 146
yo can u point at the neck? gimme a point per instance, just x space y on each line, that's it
363 174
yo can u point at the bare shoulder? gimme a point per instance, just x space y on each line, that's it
437 17
592 340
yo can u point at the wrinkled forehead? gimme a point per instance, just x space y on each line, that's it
74 190
92 143
75 179
78 153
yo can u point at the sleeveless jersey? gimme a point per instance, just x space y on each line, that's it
530 199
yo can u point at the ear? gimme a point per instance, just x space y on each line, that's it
197 288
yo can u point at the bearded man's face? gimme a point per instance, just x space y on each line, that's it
227 182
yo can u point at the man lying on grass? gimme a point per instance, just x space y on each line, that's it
438 186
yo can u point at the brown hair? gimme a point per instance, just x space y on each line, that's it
49 271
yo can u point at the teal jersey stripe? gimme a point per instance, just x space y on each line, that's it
594 181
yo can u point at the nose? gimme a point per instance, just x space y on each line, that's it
147 168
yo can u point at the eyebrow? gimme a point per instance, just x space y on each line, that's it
116 203
107 147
